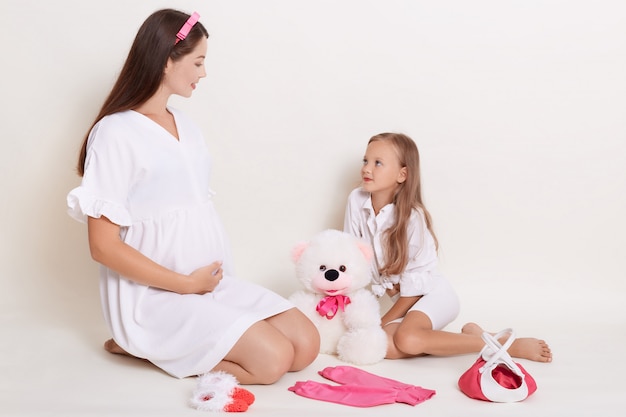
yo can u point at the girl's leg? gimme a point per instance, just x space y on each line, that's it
523 347
414 336
392 350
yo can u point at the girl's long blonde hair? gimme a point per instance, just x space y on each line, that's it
407 198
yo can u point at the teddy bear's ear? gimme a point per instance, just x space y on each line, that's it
366 249
298 250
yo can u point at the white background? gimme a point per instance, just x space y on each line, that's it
518 109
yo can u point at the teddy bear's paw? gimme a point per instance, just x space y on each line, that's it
363 311
363 346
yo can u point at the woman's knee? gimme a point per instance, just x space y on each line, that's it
306 348
302 334
264 353
276 362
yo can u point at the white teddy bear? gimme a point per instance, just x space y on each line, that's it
334 268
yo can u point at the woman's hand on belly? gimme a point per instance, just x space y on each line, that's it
204 280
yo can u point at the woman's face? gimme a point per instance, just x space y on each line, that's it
182 76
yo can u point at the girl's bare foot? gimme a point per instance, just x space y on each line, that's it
531 348
524 347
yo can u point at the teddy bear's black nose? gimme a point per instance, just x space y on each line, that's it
331 275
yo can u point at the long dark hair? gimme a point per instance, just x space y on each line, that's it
142 73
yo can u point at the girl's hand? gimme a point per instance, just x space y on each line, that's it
393 291
399 308
205 279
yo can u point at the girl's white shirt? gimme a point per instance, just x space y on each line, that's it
420 275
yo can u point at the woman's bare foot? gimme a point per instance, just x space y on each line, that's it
112 347
524 347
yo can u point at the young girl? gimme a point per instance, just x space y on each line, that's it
387 211
167 289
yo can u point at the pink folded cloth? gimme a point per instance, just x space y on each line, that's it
360 389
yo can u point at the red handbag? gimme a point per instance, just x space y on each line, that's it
495 376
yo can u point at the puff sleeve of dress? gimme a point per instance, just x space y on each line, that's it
108 173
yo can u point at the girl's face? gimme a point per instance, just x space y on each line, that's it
182 76
381 171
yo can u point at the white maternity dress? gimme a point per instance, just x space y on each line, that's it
156 188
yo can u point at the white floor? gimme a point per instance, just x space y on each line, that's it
52 364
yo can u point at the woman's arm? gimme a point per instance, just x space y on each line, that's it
399 308
109 250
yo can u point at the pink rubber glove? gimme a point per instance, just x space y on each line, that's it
354 395
407 393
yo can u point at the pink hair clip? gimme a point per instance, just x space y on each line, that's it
184 31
